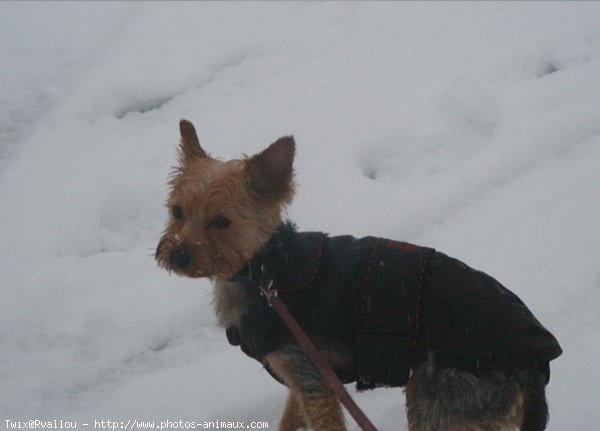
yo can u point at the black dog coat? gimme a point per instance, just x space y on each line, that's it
395 304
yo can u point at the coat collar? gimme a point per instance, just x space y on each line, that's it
290 259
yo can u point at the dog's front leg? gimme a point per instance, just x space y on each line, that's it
293 416
309 394
324 413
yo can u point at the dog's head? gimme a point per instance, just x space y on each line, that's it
222 212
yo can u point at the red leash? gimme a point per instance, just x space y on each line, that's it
318 359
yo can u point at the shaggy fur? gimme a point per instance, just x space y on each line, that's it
222 213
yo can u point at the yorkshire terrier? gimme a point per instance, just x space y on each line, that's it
470 354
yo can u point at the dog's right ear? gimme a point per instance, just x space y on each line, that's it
190 145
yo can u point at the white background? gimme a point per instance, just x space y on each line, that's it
472 128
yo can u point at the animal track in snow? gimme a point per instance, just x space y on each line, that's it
152 103
143 106
547 68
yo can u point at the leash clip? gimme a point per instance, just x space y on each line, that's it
266 286
266 289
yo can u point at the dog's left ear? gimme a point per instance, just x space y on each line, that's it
271 172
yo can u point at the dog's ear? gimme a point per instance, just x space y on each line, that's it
190 145
271 171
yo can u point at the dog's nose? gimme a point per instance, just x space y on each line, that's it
179 258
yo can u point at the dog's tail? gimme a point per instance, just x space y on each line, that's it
535 409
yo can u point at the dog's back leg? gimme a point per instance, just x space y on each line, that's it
457 400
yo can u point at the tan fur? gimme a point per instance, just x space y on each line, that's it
293 415
324 413
203 188
321 412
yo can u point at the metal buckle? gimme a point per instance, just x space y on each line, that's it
267 290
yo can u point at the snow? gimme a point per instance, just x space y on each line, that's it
470 127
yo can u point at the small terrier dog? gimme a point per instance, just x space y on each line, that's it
469 353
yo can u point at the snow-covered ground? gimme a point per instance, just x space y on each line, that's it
473 128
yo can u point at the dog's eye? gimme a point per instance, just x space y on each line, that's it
220 222
177 212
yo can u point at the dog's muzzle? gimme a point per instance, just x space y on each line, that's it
178 258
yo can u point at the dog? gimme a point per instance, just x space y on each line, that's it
468 352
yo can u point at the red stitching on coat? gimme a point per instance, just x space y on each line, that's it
367 286
315 271
424 263
403 246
